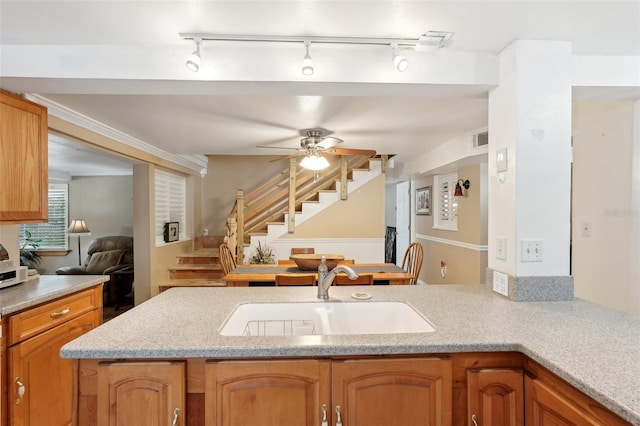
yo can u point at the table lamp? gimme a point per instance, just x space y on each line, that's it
78 227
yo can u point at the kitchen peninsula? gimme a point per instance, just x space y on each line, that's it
576 351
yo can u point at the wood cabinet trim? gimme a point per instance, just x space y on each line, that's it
38 319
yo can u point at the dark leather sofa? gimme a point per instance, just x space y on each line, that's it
113 256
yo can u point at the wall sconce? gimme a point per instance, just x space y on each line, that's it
458 191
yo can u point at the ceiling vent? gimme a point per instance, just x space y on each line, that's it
480 139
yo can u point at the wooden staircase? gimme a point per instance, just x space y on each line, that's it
200 268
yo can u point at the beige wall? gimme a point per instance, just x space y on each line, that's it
360 216
602 170
226 174
461 252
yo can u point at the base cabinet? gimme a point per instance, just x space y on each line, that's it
41 386
483 389
399 392
141 394
549 403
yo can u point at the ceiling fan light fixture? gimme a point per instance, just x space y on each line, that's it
314 162
307 62
400 62
193 61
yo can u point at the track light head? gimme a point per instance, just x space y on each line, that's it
193 61
307 62
400 62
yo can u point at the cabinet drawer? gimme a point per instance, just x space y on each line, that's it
41 318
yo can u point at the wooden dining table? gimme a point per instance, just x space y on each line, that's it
245 275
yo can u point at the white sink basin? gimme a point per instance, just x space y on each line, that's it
324 318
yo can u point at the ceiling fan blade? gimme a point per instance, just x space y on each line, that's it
349 151
329 142
286 156
276 147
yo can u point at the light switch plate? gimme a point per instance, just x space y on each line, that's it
501 283
501 160
501 248
531 250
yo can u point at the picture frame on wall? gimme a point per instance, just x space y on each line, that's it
171 231
423 201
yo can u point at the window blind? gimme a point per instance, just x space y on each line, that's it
52 235
170 203
445 204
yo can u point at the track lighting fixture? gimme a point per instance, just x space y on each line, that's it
193 61
426 42
400 62
307 62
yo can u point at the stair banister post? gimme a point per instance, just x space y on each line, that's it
240 225
292 195
344 171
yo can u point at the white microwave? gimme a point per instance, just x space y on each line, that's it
13 276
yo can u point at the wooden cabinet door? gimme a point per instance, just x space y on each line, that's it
41 384
23 160
495 397
141 393
546 405
398 392
266 393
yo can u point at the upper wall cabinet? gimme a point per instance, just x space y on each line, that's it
23 160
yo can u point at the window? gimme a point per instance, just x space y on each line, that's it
445 205
52 235
171 200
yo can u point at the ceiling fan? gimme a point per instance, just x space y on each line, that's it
314 146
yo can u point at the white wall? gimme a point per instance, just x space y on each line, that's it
602 200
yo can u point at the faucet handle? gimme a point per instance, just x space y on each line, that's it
323 264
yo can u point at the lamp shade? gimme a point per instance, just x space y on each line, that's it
77 227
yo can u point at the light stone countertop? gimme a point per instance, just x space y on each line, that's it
44 289
595 349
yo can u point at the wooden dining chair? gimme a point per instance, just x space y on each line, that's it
295 279
412 261
303 250
363 279
226 258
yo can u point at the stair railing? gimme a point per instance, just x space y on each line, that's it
283 193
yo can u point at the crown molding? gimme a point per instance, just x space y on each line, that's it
195 162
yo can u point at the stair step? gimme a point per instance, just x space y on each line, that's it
208 271
202 256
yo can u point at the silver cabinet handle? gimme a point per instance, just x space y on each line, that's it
21 390
324 415
473 419
61 313
339 416
176 413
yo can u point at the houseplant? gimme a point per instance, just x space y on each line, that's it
264 254
29 251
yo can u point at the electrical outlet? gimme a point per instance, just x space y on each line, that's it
586 229
501 248
501 283
205 232
531 250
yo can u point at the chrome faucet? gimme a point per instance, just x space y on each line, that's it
325 277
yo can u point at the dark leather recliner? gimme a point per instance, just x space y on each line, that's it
111 256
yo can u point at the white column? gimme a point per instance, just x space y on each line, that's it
634 276
530 116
